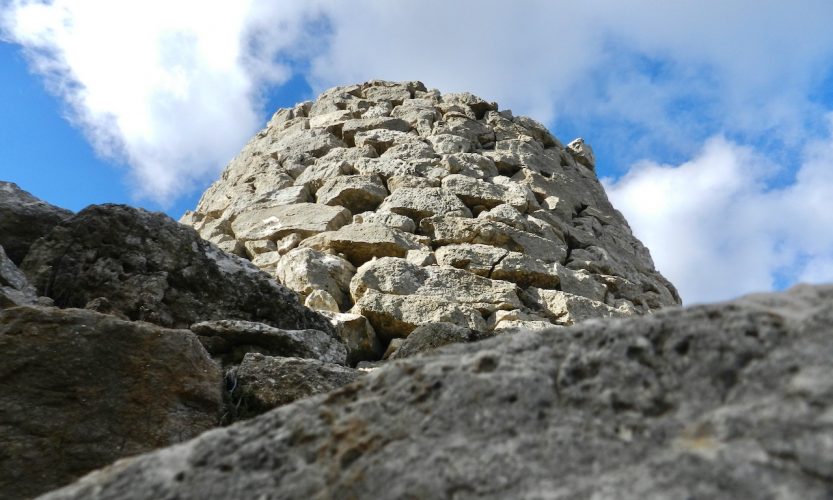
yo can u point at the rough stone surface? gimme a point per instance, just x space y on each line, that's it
24 219
152 269
435 178
266 382
231 340
358 336
431 336
79 389
15 290
305 270
362 242
723 401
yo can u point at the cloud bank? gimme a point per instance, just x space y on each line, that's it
718 107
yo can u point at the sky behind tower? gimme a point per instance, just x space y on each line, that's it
712 121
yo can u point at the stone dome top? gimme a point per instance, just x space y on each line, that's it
387 206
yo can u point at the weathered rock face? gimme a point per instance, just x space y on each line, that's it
442 182
264 382
81 389
24 219
725 401
149 268
15 290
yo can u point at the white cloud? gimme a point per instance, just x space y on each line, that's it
168 87
716 229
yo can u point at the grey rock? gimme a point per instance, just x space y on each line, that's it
79 389
356 193
15 290
153 269
723 401
265 382
230 340
24 219
362 242
432 336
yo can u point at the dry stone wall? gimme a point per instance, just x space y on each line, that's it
394 205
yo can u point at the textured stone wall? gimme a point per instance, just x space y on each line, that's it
390 204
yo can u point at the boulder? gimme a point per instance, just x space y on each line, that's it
394 316
400 277
231 340
351 127
499 264
262 383
361 242
79 389
565 308
305 270
274 223
418 203
458 230
153 269
24 219
356 193
582 152
431 336
722 401
358 336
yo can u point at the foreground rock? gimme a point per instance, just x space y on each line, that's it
79 390
265 382
23 219
150 268
230 341
724 401
15 290
438 179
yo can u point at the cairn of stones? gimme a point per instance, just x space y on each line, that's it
387 206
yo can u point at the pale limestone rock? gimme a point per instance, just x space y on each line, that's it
319 300
419 113
385 167
395 221
411 181
328 120
357 193
421 258
581 282
418 203
400 277
274 223
504 321
383 139
567 309
397 315
351 127
362 242
582 152
499 264
449 144
305 270
471 165
314 142
358 336
313 177
255 247
474 192
450 230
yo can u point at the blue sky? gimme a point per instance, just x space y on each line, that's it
712 121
